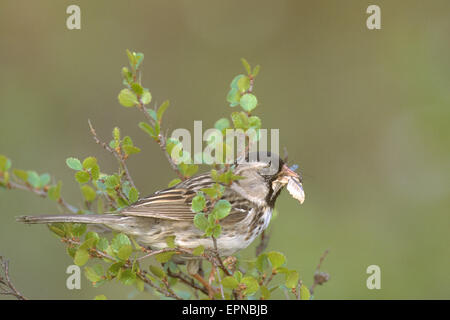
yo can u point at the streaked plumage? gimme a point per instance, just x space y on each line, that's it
168 212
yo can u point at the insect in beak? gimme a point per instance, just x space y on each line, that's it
294 186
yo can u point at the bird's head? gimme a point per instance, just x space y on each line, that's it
266 175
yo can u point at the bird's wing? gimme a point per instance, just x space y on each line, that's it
175 203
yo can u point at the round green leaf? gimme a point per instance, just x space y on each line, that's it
251 285
88 193
157 271
230 282
81 257
146 97
248 102
222 209
74 163
201 221
127 98
292 279
82 177
277 259
198 203
222 124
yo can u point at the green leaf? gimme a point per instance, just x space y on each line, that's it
238 276
88 242
240 120
133 195
198 251
137 88
54 192
132 58
256 70
116 135
146 97
140 285
248 102
265 293
95 273
254 122
129 150
234 82
128 277
127 98
262 262
251 285
44 180
34 179
115 268
100 297
81 257
102 244
304 293
162 109
5 163
112 181
233 97
217 230
82 177
119 241
89 162
243 84
222 124
92 235
174 182
95 172
214 192
188 170
139 58
198 202
71 251
200 221
127 141
229 282
74 163
21 174
164 257
277 259
221 209
170 240
88 193
157 271
152 114
246 66
57 229
292 279
147 128
125 252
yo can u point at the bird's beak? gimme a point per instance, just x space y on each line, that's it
294 186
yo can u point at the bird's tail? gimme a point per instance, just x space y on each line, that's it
77 218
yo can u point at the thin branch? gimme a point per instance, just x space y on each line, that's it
141 274
6 285
320 277
190 282
263 243
116 154
161 140
42 193
219 260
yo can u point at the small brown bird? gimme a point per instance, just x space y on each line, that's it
168 212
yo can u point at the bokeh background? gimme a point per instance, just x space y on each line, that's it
366 115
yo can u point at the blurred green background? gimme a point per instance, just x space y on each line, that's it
366 115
